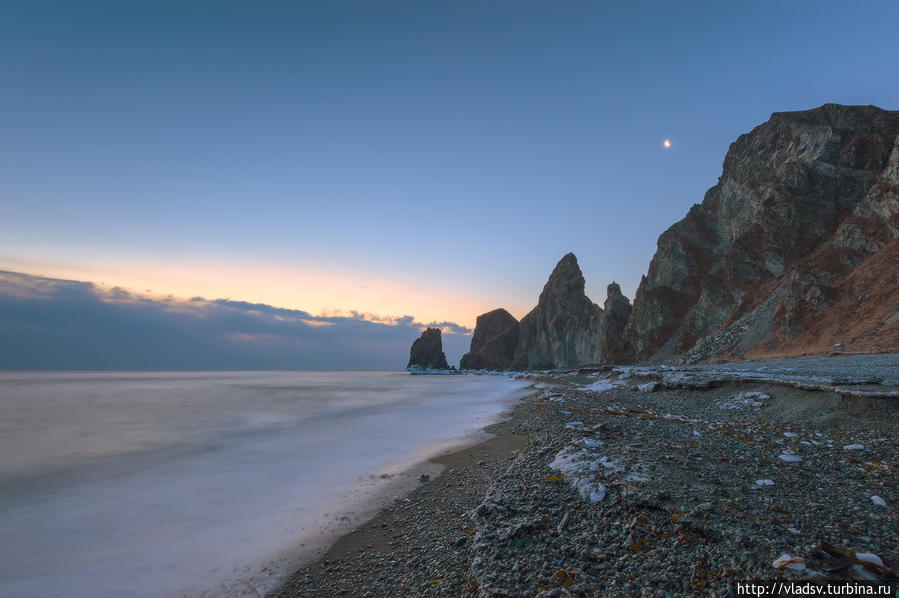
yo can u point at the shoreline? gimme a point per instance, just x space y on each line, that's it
609 483
459 473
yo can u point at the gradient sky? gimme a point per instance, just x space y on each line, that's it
429 159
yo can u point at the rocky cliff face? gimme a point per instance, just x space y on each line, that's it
567 329
493 343
804 201
795 250
427 351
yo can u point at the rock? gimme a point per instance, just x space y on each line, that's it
616 313
493 343
566 329
771 258
427 351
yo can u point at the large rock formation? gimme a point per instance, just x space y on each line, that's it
795 250
427 351
788 250
616 313
567 329
493 343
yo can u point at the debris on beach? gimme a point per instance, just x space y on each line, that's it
790 561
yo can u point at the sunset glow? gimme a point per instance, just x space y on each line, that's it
378 297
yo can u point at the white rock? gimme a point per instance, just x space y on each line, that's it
854 447
878 501
791 458
869 557
789 561
764 482
791 434
598 494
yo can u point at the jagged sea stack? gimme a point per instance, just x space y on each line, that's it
565 329
493 343
616 313
427 351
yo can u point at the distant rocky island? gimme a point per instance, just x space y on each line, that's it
794 251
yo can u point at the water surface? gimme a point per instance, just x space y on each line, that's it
207 483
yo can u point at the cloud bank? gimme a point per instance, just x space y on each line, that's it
48 323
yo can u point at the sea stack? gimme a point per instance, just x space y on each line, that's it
427 351
565 329
493 343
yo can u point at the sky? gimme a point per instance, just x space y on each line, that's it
420 160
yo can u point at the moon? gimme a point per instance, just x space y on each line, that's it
666 144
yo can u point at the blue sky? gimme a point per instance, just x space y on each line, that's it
429 159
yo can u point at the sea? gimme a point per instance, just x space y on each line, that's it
201 484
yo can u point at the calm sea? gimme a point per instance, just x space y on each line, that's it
209 483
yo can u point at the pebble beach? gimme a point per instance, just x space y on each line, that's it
647 482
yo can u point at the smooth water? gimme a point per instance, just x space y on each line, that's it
208 483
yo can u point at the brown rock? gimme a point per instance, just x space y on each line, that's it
616 313
803 200
565 329
493 342
427 351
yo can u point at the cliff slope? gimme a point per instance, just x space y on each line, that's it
794 247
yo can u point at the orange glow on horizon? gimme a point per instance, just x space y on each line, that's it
317 291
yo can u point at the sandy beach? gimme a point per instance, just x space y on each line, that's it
648 482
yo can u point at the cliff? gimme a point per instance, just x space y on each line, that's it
795 250
427 351
776 259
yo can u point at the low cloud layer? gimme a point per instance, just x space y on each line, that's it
48 323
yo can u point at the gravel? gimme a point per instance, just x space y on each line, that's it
643 487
